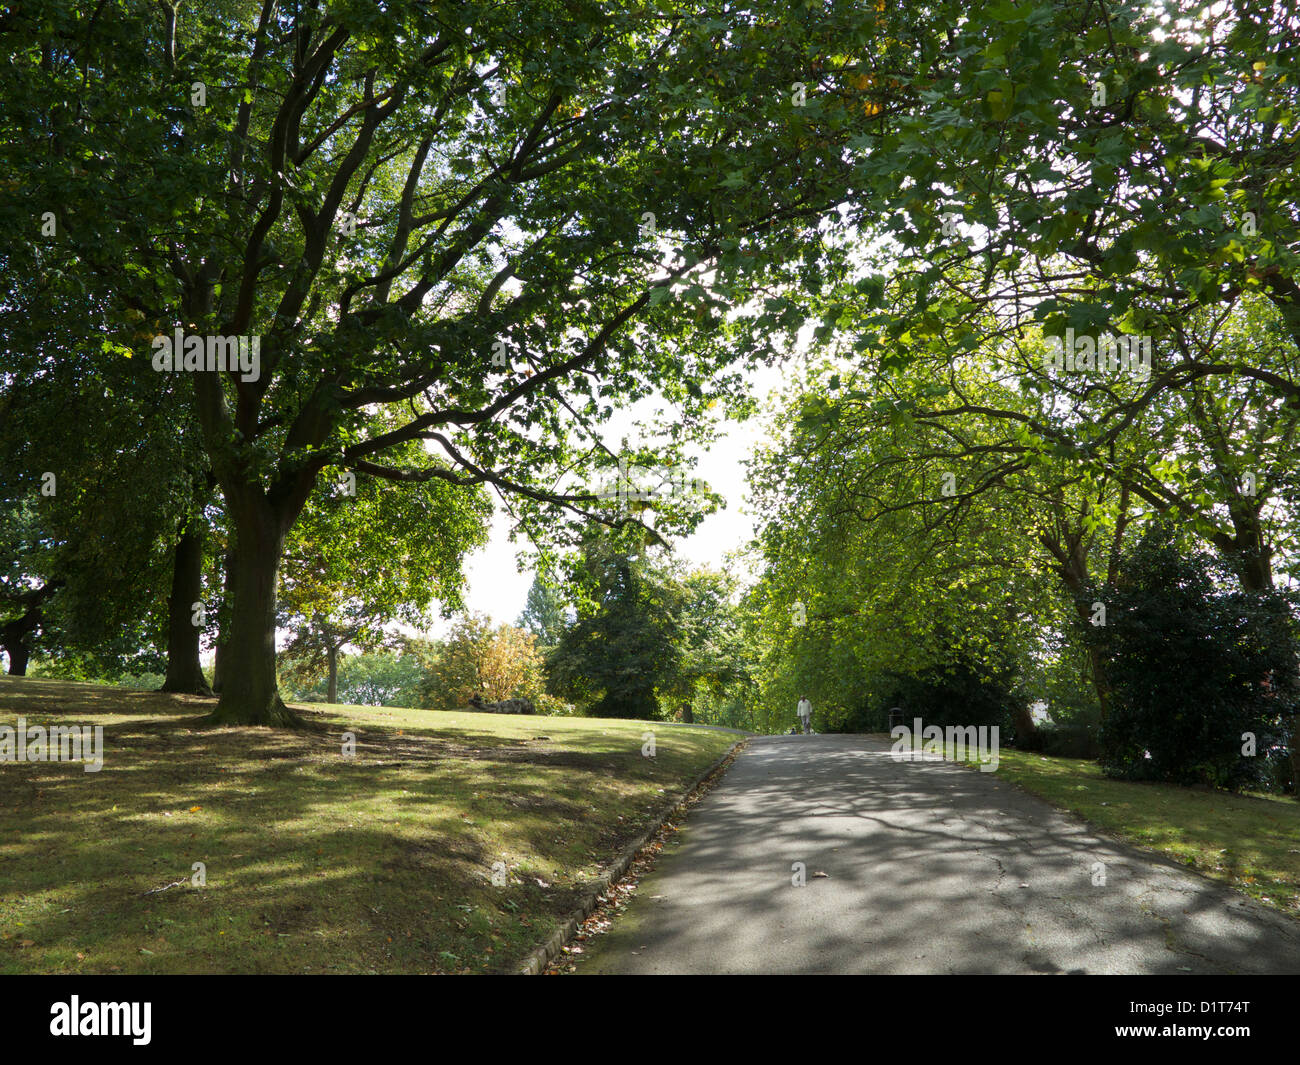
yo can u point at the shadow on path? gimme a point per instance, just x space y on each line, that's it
930 868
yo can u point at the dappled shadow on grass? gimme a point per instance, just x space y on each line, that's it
314 861
63 698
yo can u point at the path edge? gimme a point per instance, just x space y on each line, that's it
537 961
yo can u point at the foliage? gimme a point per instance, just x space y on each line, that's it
379 678
443 211
625 647
478 659
365 555
544 614
1195 666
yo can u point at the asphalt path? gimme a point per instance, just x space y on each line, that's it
929 867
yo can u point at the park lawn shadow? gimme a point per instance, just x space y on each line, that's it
221 849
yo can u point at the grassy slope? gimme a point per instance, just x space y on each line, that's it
314 862
1249 841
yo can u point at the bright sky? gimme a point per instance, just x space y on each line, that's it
498 589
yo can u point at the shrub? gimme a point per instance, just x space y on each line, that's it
1194 665
1071 740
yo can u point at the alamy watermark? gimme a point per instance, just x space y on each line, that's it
195 353
78 1018
1105 354
58 743
981 741
634 483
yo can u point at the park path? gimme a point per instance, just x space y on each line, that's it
930 867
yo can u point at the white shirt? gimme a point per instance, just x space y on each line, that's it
804 708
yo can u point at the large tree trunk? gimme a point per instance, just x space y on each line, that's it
1073 570
333 655
1026 728
184 672
1247 551
250 694
18 657
13 634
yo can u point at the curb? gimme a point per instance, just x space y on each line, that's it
539 959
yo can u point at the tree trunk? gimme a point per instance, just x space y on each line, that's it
250 694
1247 551
18 657
1026 728
333 656
13 634
1100 684
1072 567
223 619
184 672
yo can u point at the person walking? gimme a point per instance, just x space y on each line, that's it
804 710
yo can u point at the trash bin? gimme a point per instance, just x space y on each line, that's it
895 717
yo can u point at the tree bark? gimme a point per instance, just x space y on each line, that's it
223 620
332 654
1072 567
1026 728
13 634
1247 551
250 694
184 672
18 657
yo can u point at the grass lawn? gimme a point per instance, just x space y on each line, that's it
1249 841
315 862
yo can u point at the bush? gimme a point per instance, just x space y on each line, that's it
1073 740
1193 665
478 659
870 715
958 693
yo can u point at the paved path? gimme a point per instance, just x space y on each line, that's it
932 868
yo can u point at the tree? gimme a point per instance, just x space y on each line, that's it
883 551
1206 678
380 678
476 659
714 658
624 647
88 522
1100 167
362 557
129 494
496 219
543 613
